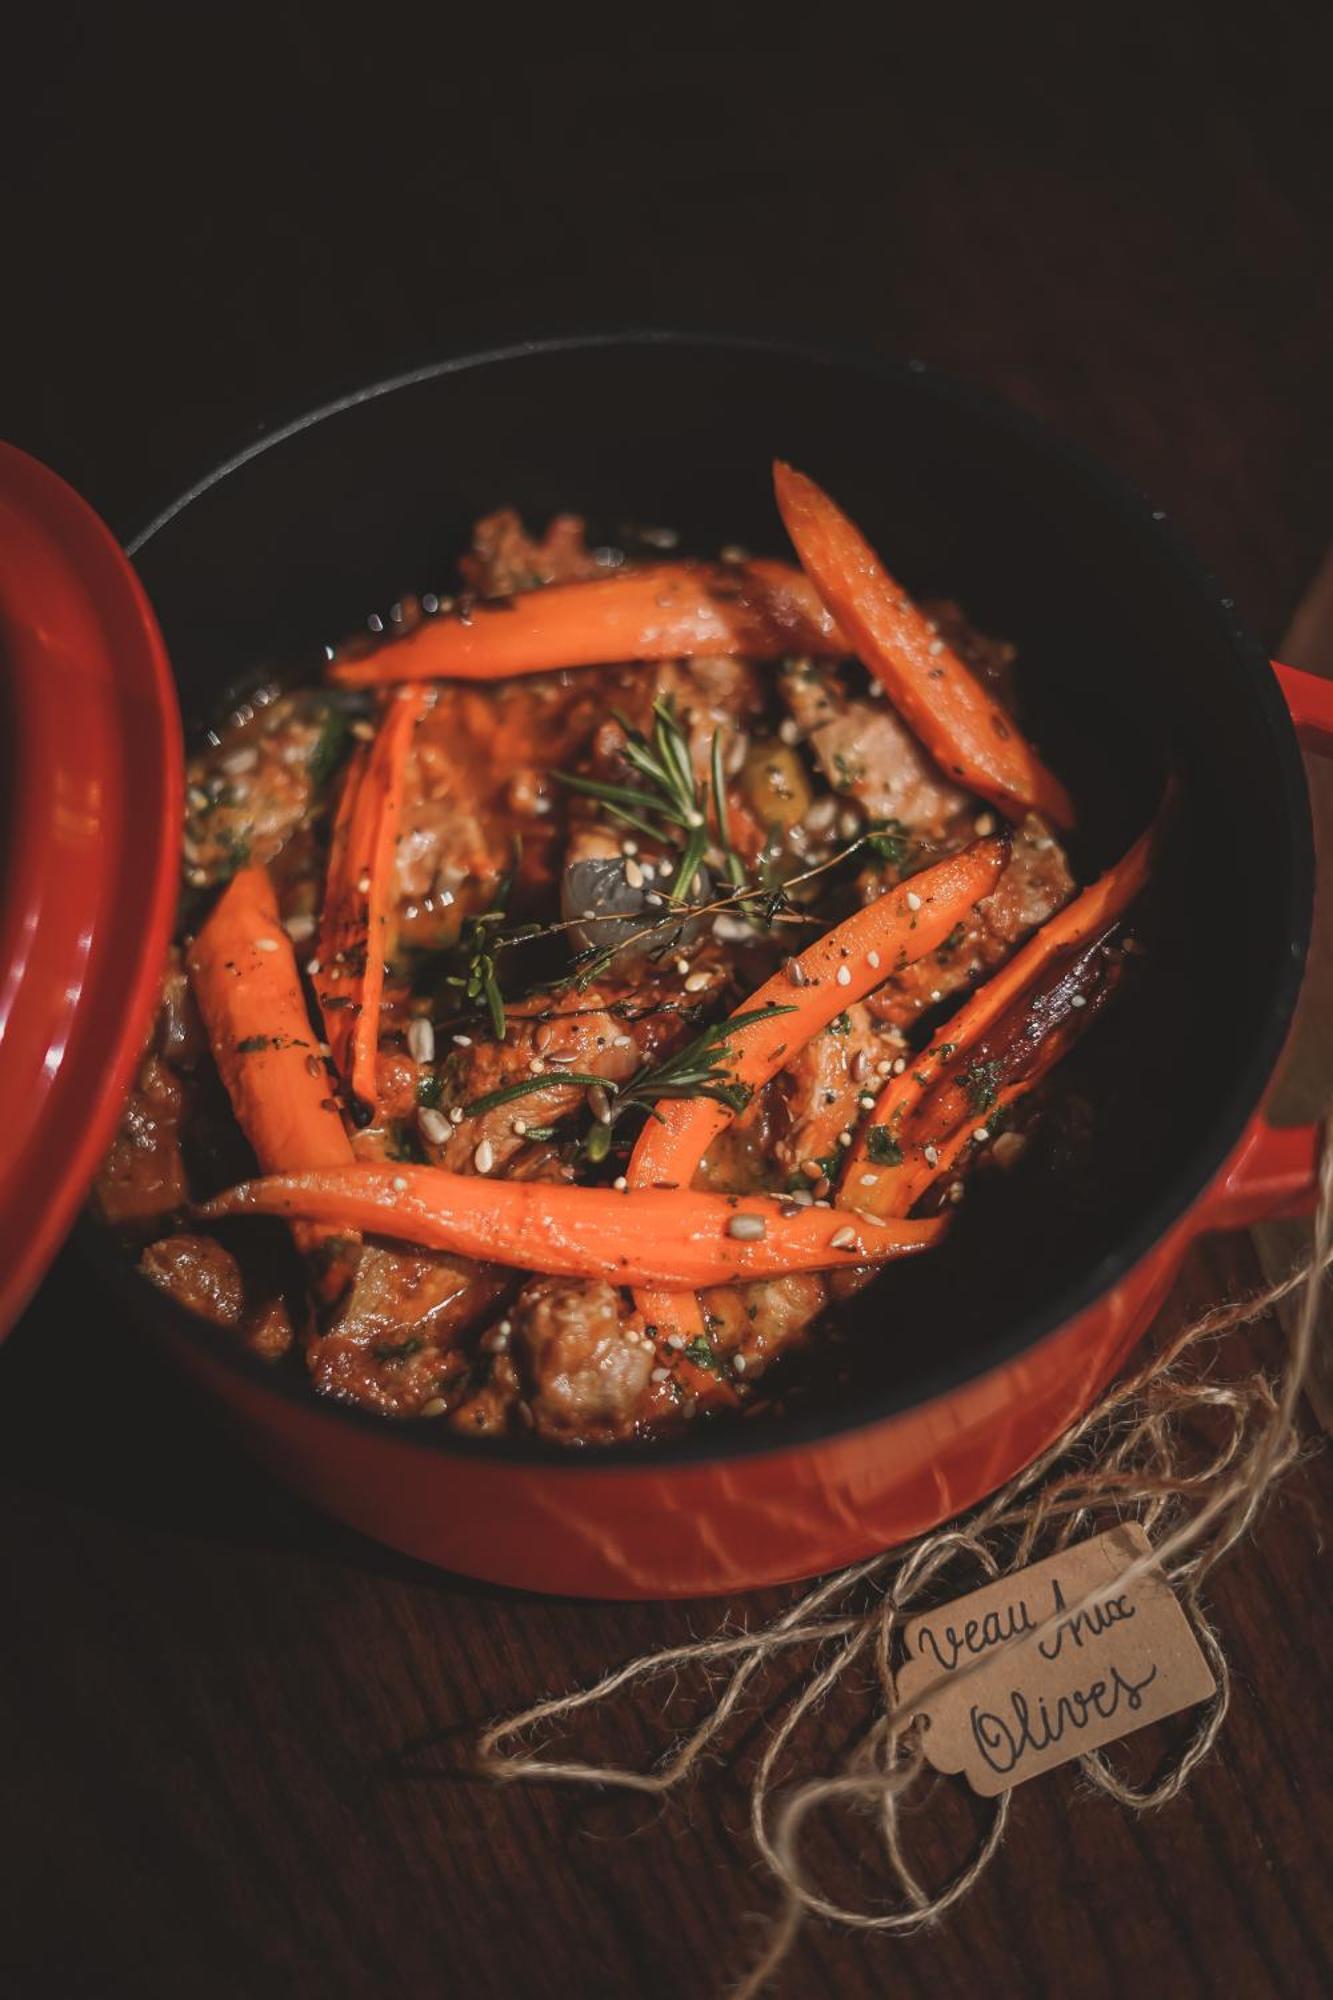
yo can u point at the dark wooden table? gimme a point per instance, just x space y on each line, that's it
232 1733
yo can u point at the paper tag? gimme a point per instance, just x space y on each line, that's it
1111 1669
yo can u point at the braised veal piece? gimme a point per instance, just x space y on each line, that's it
602 974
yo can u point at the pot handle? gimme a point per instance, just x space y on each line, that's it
1276 1171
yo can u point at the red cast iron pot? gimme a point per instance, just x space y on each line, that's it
1131 663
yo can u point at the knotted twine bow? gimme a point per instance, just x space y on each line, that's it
1135 1455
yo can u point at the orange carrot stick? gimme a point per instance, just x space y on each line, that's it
848 962
358 896
665 611
964 728
669 1236
883 1168
244 975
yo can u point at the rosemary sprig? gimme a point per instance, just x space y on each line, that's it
700 1069
669 802
735 866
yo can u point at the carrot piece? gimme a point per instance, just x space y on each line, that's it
843 965
670 1236
964 728
664 611
243 972
358 896
899 1113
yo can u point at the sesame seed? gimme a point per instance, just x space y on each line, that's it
869 1180
363 732
936 993
748 1228
682 965
848 824
676 1340
789 731
872 960
421 1039
536 1065
801 1197
931 1154
484 1157
435 1127
238 761
694 818
398 1183
843 976
913 900
633 874
956 1192
622 1042
981 1134
1077 1000
812 1170
519 1127
697 982
660 1375
983 824
884 1067
866 1103
436 1407
843 1239
900 1066
462 1041
935 648
456 1115
844 1137
299 928
620 1184
739 1363
266 944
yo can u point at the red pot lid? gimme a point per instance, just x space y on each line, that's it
90 816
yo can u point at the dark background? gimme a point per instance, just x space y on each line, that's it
215 1703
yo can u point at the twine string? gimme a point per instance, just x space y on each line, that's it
1136 1454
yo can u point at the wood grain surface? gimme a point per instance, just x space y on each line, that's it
232 1734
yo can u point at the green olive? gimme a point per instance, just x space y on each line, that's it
776 787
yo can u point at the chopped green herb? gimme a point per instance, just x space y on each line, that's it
430 1089
982 1084
329 746
250 1043
841 1025
700 1353
883 1148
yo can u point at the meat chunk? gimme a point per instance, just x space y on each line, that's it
867 753
392 1343
142 1179
251 791
765 1319
478 788
504 558
585 1364
1033 887
202 1275
815 1098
